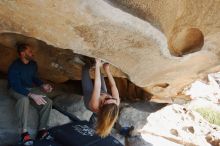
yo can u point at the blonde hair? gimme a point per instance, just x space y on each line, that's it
107 116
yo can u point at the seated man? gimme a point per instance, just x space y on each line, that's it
24 87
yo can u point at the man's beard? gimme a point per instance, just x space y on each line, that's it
29 58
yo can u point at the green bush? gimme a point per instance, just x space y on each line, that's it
210 115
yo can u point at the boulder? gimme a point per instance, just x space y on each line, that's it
136 114
180 125
74 104
132 35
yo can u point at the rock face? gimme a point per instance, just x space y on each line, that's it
135 36
186 41
175 125
57 118
214 138
73 104
129 114
180 125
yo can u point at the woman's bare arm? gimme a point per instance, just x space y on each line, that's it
113 86
94 101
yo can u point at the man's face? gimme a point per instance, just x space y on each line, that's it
27 54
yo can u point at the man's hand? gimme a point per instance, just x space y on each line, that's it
47 88
39 99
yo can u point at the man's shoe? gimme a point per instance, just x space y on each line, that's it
26 139
44 134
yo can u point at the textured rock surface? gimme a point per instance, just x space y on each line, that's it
214 138
172 125
57 118
109 30
136 114
73 104
180 125
186 41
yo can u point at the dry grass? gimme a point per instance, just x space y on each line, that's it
210 115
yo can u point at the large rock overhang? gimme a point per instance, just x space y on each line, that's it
138 47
